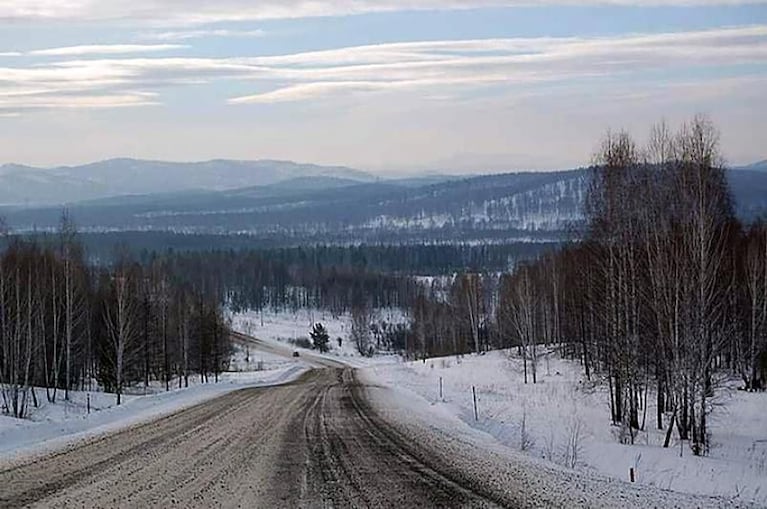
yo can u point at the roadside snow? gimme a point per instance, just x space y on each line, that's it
247 358
53 426
284 327
566 422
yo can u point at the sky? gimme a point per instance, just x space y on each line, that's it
388 86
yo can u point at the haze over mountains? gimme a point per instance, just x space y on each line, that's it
294 203
33 186
119 177
758 166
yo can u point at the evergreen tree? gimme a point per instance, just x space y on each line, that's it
320 337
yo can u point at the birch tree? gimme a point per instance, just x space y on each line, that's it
120 318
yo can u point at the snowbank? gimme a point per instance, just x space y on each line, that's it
285 327
566 421
53 426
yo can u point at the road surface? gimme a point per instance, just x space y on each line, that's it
311 443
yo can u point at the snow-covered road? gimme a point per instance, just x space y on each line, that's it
332 437
311 443
327 439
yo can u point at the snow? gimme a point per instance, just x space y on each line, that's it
561 409
56 425
246 358
283 327
563 406
53 426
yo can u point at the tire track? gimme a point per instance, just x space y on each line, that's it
312 443
361 464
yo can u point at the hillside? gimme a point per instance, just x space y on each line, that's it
21 185
495 208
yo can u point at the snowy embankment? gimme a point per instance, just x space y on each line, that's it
56 425
566 418
564 421
291 328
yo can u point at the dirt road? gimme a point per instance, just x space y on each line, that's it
312 443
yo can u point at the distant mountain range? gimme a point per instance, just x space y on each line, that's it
308 204
120 177
760 166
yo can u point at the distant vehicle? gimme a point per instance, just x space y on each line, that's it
296 354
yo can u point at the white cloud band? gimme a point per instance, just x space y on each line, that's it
167 12
435 66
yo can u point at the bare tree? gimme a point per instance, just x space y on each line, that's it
360 332
74 308
756 290
120 319
518 309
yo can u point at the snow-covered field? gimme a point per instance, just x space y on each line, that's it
285 327
567 421
248 359
52 426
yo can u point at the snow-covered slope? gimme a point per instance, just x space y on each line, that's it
326 208
565 420
55 425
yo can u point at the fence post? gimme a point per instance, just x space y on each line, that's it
440 388
631 474
88 398
474 394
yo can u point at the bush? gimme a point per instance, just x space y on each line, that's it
300 342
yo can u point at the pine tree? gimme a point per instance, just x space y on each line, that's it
320 337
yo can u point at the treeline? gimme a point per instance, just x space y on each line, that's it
66 325
667 292
413 259
250 280
330 277
664 297
416 258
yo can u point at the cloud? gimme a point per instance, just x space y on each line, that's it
428 67
182 35
98 101
10 54
105 49
315 90
191 12
476 63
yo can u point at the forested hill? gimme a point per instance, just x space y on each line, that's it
495 208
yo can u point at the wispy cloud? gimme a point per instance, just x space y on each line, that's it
475 63
91 101
436 67
203 11
105 49
182 35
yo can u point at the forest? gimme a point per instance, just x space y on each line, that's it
664 297
66 325
336 277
